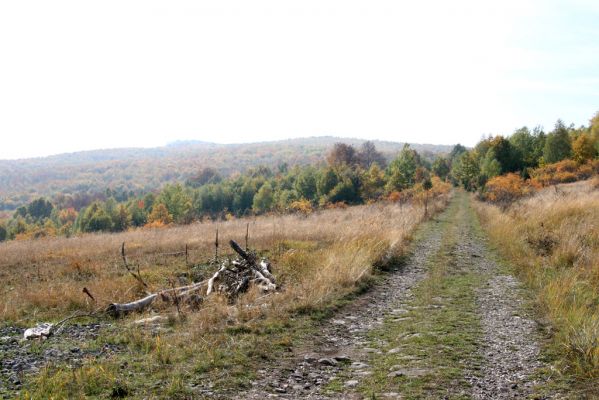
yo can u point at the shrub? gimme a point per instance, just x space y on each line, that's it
564 171
504 190
394 196
302 206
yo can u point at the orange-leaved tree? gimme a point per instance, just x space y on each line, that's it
159 216
505 189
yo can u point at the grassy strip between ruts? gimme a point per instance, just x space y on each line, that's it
436 338
202 354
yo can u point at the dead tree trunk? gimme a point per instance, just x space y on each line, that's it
116 309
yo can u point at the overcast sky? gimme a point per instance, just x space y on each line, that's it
77 75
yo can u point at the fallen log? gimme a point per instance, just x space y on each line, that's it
182 293
116 309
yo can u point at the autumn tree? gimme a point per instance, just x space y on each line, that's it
263 200
243 199
177 202
137 211
508 157
345 191
583 148
284 198
441 167
423 186
67 215
40 208
369 155
160 215
203 177
373 182
305 183
327 180
557 144
457 151
402 169
505 189
594 129
341 154
529 145
122 221
95 219
489 166
3 233
465 170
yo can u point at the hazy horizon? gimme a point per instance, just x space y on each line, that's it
80 76
182 142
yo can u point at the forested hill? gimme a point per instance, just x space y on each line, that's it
146 169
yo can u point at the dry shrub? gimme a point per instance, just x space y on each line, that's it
394 196
565 171
337 205
553 240
505 189
302 206
440 187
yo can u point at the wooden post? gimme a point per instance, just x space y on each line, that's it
186 255
247 234
216 246
274 240
123 255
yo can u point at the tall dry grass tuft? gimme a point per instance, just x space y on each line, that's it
316 257
553 238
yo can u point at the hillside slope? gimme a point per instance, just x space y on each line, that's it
141 169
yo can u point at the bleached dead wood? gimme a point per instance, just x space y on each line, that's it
116 309
232 278
41 331
150 320
214 278
182 293
46 329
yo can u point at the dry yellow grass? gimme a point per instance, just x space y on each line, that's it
314 256
318 260
553 237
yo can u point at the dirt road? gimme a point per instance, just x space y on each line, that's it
449 323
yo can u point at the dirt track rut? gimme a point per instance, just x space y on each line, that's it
337 360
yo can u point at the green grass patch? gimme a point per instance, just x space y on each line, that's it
433 340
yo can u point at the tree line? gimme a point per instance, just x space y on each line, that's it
349 175
525 152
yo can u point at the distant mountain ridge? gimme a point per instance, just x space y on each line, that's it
146 169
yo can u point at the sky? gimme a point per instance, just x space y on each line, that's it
80 75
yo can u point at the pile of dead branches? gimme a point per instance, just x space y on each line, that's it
232 278
235 276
